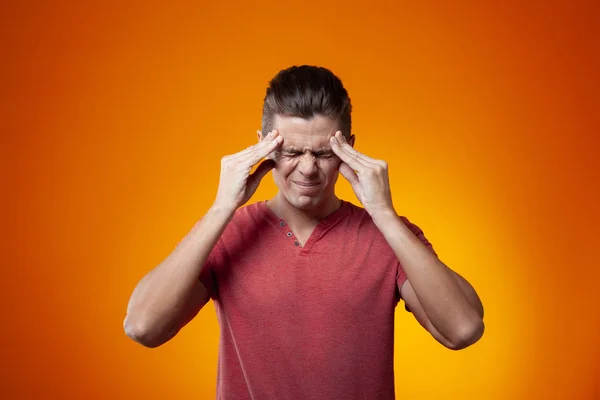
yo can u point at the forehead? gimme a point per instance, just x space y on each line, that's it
306 133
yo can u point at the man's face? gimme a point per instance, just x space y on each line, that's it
306 169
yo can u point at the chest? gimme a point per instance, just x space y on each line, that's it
342 279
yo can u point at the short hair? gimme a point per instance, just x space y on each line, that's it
304 91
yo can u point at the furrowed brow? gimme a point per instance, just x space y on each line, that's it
322 150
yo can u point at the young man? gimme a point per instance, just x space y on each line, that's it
305 285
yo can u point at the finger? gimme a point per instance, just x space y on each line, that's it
349 174
249 149
262 150
260 172
352 151
272 154
255 153
346 157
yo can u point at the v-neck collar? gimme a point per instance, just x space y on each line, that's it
323 225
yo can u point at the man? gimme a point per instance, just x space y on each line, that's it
305 285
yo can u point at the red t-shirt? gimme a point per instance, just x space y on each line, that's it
305 322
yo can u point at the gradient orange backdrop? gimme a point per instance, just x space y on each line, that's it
114 118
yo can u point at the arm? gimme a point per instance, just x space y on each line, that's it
414 306
440 299
171 294
445 305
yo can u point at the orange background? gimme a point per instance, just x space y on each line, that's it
115 117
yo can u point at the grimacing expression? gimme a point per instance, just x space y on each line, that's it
306 168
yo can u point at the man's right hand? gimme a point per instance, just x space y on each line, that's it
237 185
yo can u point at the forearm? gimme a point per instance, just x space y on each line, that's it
451 305
161 295
469 293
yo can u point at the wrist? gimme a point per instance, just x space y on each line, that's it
221 212
383 215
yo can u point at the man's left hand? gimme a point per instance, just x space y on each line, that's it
368 177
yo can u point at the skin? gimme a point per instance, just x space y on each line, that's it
305 172
441 300
306 157
170 295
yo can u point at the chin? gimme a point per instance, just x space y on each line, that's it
305 202
302 202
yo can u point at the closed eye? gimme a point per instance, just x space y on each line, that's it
318 154
326 154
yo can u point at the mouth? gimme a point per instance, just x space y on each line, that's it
307 185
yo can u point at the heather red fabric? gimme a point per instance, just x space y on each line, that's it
305 322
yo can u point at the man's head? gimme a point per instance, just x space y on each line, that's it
305 91
306 105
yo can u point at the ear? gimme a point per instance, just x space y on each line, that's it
351 141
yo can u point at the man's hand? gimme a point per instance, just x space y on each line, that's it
237 185
368 177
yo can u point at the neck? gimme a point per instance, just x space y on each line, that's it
296 216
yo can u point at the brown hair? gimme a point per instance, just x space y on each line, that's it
303 91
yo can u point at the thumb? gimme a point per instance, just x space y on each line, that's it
348 173
255 178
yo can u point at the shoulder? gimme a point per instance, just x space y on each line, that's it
360 219
358 214
357 222
247 220
249 213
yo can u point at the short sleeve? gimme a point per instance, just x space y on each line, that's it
418 232
208 275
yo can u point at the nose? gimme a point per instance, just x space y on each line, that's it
308 165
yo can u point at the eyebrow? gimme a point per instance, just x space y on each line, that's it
295 150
